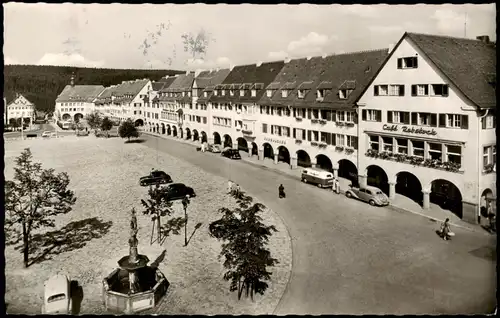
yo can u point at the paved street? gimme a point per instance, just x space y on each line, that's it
351 258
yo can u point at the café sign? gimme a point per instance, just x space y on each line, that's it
411 130
282 142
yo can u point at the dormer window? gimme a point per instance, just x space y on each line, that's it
344 93
205 94
301 93
320 93
254 92
242 92
408 62
183 94
231 92
223 92
189 94
269 92
284 93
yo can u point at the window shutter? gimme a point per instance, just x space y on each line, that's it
445 90
328 115
414 118
415 61
400 63
334 139
379 115
354 142
303 134
328 138
483 122
294 113
272 129
309 135
433 120
288 131
309 113
401 90
389 117
442 120
294 133
363 114
465 121
426 89
406 118
495 121
414 90
375 90
334 115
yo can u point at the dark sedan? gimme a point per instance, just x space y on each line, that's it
155 177
176 191
231 153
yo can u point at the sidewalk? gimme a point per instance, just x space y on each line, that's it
400 203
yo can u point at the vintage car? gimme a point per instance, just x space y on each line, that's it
46 134
322 178
57 295
214 148
155 177
372 195
176 191
231 153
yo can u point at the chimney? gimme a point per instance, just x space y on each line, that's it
72 82
483 38
287 60
309 57
258 63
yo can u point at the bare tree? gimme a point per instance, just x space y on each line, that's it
197 45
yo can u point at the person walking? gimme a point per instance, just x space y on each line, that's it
281 191
336 186
445 229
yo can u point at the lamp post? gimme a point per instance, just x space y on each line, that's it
22 125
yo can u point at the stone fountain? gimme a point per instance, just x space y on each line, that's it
134 286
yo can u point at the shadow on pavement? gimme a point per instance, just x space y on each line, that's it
76 292
74 235
196 227
135 141
158 260
485 252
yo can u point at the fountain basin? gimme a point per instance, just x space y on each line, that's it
116 296
142 261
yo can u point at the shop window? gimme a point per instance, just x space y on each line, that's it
374 143
435 151
402 146
388 145
454 153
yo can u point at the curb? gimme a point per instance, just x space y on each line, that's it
390 206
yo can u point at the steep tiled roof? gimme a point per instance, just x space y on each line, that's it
330 73
249 74
79 93
208 81
166 83
468 64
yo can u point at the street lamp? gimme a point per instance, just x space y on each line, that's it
22 125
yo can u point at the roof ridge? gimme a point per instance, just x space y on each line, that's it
444 36
358 52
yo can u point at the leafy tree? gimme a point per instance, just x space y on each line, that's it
127 129
245 238
94 120
157 206
106 125
32 199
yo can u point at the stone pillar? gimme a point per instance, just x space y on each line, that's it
210 140
392 190
362 180
470 212
275 159
427 202
235 145
250 152
335 173
261 154
293 163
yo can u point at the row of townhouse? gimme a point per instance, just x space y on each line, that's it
417 120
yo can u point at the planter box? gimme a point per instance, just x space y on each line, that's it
298 141
339 148
322 121
298 118
314 121
314 143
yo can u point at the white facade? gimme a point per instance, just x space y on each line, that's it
447 129
68 110
19 107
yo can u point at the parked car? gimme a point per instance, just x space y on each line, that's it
231 153
155 177
176 191
322 178
82 133
372 195
57 295
214 148
46 134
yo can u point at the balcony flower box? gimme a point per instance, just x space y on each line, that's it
451 166
322 145
399 157
314 143
351 124
372 153
349 150
298 118
238 129
339 148
314 121
340 123
322 121
489 168
247 132
416 161
384 155
298 141
430 163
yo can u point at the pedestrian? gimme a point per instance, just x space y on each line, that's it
229 186
490 214
238 190
281 191
445 229
202 147
336 186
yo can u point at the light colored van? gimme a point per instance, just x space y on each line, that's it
322 178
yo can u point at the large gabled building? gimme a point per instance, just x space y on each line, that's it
17 107
427 123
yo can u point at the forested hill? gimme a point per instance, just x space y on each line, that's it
42 84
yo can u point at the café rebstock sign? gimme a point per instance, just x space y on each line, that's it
411 130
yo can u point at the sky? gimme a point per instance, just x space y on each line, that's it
146 36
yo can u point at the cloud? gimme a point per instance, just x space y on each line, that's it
220 62
10 61
73 59
364 11
277 56
311 43
448 21
384 29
